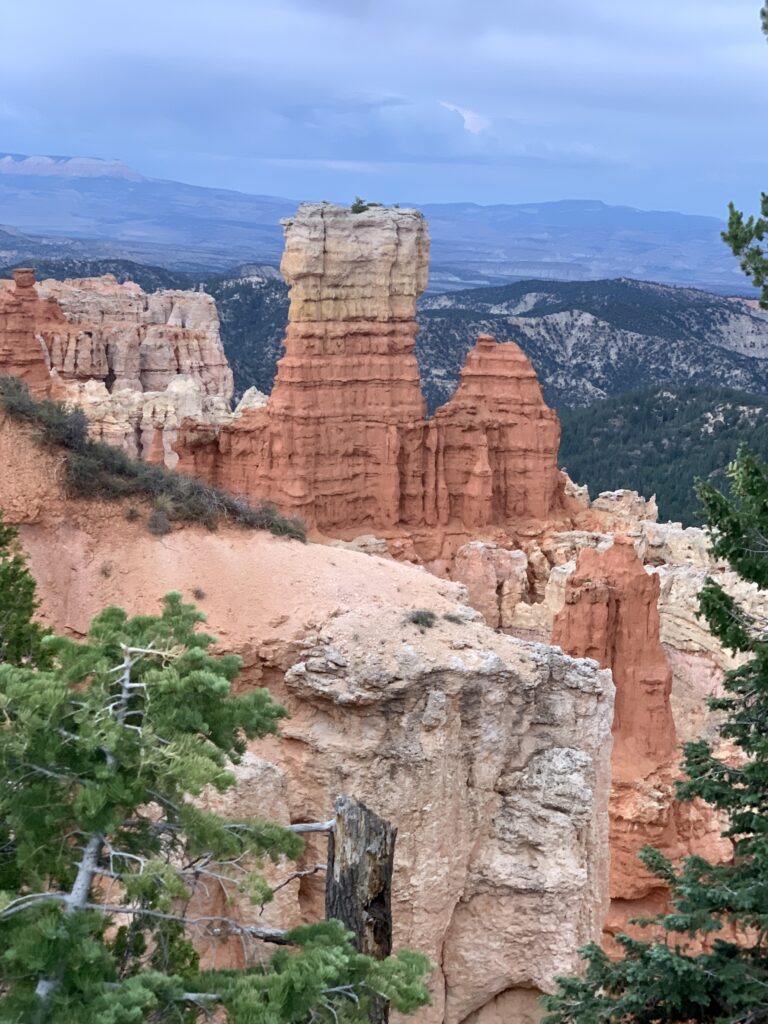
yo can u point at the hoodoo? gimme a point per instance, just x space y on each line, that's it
21 353
343 441
339 442
611 614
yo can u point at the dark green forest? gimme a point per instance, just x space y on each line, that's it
659 441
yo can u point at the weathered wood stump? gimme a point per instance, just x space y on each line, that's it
358 891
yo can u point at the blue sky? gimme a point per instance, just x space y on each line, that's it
659 103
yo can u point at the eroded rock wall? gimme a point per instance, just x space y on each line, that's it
343 441
137 364
489 754
611 614
119 334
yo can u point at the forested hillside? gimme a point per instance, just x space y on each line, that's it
591 339
658 441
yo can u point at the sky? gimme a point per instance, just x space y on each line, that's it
656 104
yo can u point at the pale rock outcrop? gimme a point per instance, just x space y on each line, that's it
130 339
490 755
671 544
144 423
534 618
622 507
252 399
578 492
496 578
346 267
138 364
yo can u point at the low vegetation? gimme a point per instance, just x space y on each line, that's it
422 617
360 205
99 471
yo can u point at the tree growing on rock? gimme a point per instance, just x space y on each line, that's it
747 236
102 845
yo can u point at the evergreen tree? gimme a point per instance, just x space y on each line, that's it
747 237
102 847
20 637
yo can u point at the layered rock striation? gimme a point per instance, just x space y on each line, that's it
611 614
343 441
131 340
22 353
138 364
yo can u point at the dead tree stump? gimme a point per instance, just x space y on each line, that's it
358 892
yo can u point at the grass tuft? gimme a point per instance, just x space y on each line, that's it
422 617
99 471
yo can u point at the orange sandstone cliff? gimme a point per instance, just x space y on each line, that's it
611 614
22 353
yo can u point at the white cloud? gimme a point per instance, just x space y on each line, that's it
474 123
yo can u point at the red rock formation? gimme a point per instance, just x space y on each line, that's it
494 445
21 353
611 615
343 441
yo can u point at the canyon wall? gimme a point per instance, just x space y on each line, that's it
490 755
138 364
473 493
611 614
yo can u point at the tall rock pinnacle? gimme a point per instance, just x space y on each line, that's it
343 441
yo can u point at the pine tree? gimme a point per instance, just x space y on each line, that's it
102 844
20 637
747 237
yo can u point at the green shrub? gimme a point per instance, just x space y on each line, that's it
360 205
99 471
422 617
158 523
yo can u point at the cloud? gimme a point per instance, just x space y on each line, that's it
473 122
523 100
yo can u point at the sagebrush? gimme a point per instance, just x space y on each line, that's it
96 470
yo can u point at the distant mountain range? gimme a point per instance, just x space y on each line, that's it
587 340
73 207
